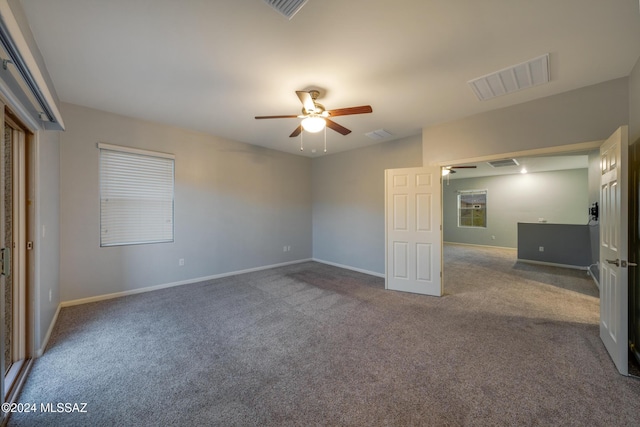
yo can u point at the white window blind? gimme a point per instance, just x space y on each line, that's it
136 196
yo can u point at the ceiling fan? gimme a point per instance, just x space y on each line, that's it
315 117
446 170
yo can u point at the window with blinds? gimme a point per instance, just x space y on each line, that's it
136 196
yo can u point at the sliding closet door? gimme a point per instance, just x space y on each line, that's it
13 241
6 232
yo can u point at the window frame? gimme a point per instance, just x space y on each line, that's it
132 154
477 192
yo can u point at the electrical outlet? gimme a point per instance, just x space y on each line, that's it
181 262
541 248
493 237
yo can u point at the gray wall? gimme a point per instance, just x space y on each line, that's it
348 202
559 197
236 207
46 236
25 29
566 244
586 114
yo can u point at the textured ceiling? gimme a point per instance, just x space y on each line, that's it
211 66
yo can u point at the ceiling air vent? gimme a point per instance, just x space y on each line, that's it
378 134
287 8
517 77
504 162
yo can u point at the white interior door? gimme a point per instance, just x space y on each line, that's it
413 230
613 247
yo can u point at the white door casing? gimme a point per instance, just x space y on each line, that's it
413 230
613 247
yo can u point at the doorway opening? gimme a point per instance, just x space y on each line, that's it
612 304
537 160
528 206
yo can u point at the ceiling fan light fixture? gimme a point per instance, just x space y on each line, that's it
313 124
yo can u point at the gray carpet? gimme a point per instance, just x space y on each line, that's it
311 344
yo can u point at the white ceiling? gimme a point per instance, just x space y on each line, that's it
212 66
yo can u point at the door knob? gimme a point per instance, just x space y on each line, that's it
615 262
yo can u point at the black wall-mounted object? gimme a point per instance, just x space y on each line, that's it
593 211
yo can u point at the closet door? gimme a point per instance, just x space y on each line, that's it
14 247
6 248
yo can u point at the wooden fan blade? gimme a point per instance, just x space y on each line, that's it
276 117
463 167
296 132
338 128
351 110
307 101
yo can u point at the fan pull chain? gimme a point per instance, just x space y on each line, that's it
325 139
301 146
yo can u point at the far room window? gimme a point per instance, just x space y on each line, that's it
472 208
136 196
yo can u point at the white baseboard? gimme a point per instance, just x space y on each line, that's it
479 246
553 264
45 341
595 279
172 284
347 267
